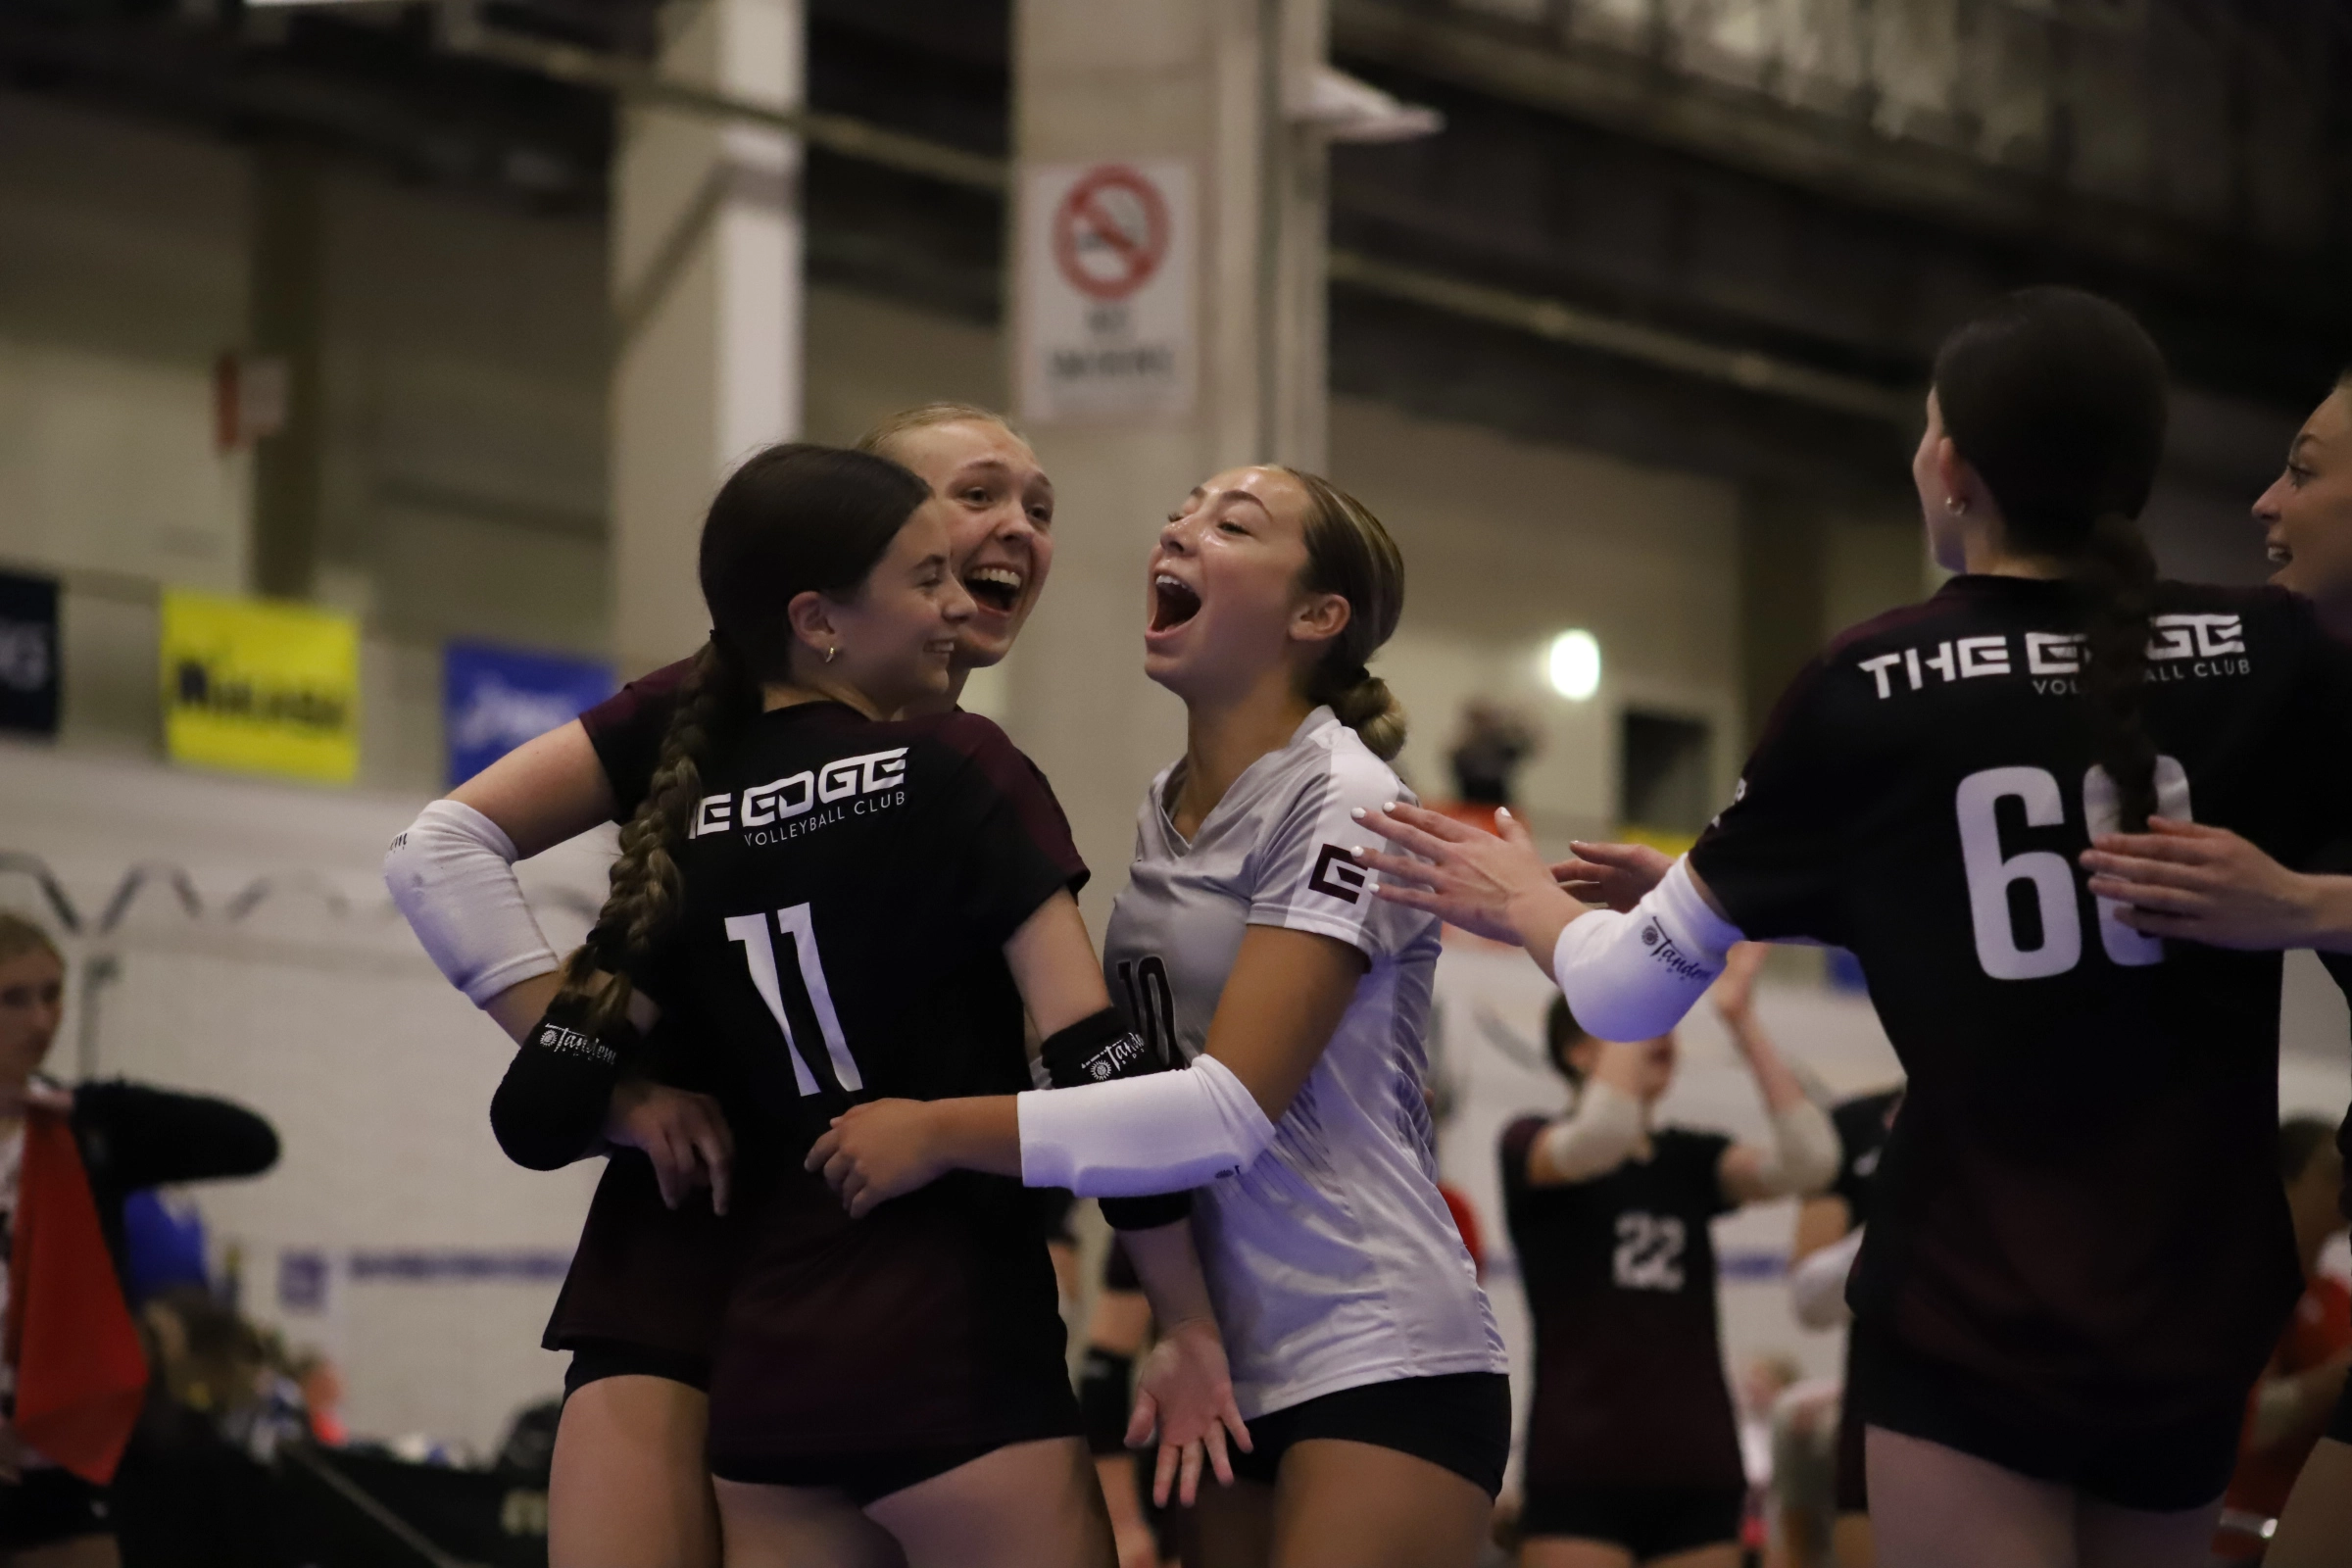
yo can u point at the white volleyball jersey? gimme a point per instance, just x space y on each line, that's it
1331 1259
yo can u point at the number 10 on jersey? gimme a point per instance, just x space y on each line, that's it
760 953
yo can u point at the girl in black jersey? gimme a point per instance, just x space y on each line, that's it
2190 882
1633 1450
812 889
639 1310
2077 1256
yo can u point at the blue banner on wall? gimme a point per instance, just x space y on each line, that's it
494 698
29 663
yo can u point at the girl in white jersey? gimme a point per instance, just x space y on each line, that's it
1363 1353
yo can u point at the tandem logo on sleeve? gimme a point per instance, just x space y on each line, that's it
813 797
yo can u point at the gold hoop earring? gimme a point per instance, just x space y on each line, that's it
829 653
1957 506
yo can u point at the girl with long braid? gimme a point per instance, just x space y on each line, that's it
639 1312
825 897
2079 1255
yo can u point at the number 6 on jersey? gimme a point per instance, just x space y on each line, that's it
760 953
2051 876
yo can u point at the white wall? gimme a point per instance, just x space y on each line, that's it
1507 543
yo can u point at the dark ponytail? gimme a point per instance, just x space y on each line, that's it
792 520
2057 399
1350 554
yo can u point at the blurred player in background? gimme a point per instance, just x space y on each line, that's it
2289 1407
1633 1448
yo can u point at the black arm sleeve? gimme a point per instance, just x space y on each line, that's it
549 1107
144 1136
1096 1049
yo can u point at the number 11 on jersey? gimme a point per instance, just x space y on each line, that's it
760 953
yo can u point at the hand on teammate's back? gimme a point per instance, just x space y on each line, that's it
876 1152
2205 884
1618 875
684 1134
1183 1398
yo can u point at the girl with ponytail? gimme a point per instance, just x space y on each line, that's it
831 903
2077 1260
1364 1353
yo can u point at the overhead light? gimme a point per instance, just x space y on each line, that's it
1573 661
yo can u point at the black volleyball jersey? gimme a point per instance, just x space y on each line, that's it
843 881
847 888
2079 1199
1620 1279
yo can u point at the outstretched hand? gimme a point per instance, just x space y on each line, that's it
876 1152
685 1135
1185 1397
2202 884
1494 885
1619 875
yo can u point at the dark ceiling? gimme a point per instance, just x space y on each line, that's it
1512 195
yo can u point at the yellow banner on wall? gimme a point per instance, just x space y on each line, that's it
261 687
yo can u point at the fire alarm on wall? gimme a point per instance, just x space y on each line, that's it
250 394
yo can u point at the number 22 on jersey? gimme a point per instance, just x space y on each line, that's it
2049 875
760 953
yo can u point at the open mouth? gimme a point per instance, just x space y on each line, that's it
1173 603
998 588
2281 555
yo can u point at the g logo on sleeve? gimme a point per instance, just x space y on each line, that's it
1336 875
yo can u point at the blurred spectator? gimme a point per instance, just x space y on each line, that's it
1493 742
2291 1402
73 1380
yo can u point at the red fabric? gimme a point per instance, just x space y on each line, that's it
1465 1220
2321 1327
81 1375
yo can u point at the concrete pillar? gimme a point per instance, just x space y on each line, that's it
288 308
705 246
1205 81
1784 597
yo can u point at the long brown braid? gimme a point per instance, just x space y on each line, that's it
713 702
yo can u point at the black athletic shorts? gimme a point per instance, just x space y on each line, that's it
2339 1425
2161 1467
863 1478
1646 1521
595 1359
47 1506
1460 1421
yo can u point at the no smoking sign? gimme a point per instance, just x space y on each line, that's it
1105 299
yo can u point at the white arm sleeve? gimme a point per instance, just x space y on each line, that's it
1804 1155
1597 1136
1816 1286
1633 976
452 873
1165 1132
